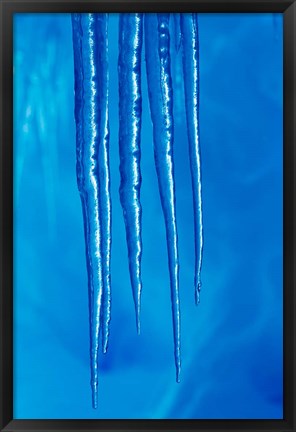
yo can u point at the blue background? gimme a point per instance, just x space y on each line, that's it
232 342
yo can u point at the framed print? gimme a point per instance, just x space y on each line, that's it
147 215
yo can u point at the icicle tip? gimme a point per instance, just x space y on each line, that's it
138 320
178 372
95 398
197 293
105 347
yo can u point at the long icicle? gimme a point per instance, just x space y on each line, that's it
189 30
88 108
104 172
130 114
157 43
177 31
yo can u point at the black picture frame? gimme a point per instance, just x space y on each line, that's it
7 9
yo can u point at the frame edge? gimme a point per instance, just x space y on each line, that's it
6 356
289 214
6 214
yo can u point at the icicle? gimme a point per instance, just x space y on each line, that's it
189 30
104 172
130 112
157 43
177 31
91 145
